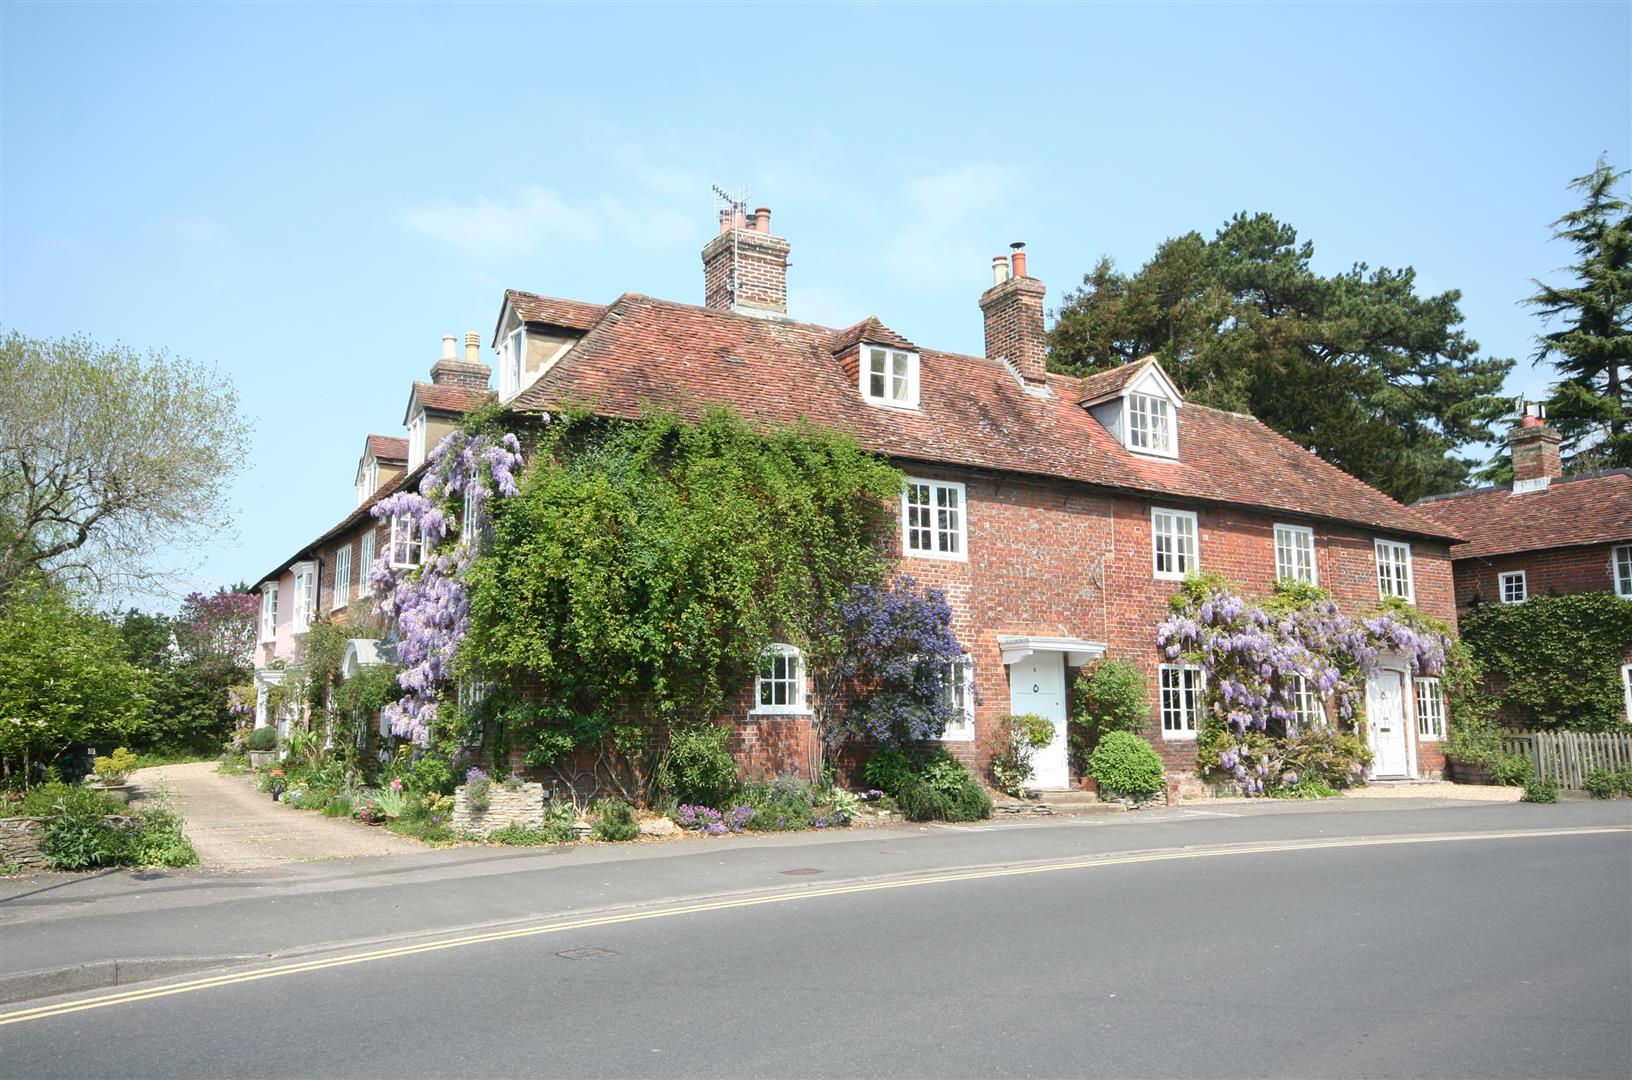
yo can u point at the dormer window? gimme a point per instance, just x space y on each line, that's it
1150 424
512 361
416 440
368 479
889 377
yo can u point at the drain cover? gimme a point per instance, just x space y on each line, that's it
803 871
586 954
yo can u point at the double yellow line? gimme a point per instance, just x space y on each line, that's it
126 997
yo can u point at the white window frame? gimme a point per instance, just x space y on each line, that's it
1292 542
269 611
1185 561
303 606
416 440
1620 568
513 361
368 479
1399 563
907 383
936 515
1191 682
1308 710
960 689
1626 681
406 549
342 579
1430 706
365 561
1508 577
797 699
1158 435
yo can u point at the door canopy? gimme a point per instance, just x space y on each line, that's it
1077 651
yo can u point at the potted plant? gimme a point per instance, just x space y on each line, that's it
263 747
112 770
369 812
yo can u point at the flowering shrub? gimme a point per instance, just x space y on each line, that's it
1253 653
478 789
429 604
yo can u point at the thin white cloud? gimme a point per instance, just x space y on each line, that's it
943 220
536 218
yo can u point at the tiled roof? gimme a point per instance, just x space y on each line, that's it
449 398
872 331
1107 384
973 412
387 448
1591 509
554 311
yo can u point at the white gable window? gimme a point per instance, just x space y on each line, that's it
889 377
933 520
1181 700
368 478
342 578
407 547
269 611
1295 553
365 561
779 687
1394 570
959 694
1173 540
512 361
1307 713
1430 710
300 614
1513 587
1150 424
416 440
1626 681
1622 560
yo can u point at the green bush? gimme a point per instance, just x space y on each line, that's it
927 800
700 770
1599 783
159 841
1126 765
339 806
1558 657
1623 781
1110 695
77 838
1539 791
1020 737
42 801
1512 770
614 820
1337 758
263 738
889 770
516 834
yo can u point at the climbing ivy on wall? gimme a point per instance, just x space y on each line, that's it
644 564
1557 657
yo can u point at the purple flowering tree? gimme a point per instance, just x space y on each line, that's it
1254 653
428 603
885 663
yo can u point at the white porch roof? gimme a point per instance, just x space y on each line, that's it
1077 651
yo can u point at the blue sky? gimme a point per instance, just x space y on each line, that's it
308 197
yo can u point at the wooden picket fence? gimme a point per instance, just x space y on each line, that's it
1566 757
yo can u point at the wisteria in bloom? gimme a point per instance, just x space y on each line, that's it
429 604
1252 656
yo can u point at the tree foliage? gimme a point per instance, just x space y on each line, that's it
1591 348
191 660
1558 657
64 678
644 565
110 461
1356 366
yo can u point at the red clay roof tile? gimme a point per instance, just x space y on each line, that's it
1591 509
387 448
554 311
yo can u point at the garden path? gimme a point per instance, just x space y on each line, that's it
235 827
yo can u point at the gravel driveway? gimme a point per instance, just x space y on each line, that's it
235 827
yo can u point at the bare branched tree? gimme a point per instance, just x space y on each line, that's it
111 463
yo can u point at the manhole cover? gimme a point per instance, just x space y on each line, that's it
803 871
586 954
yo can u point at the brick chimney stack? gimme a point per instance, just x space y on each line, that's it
468 372
1535 451
745 268
1013 307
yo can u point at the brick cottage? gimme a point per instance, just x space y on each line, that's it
1059 514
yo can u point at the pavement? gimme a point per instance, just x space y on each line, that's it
1383 938
235 827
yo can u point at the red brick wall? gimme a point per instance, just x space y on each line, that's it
1556 572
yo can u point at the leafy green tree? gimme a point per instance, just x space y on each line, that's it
1357 366
109 461
1591 349
64 678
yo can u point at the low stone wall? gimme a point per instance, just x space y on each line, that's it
21 839
524 805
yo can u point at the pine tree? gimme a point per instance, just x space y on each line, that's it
1591 404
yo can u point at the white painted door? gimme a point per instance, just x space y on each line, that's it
1037 685
1385 723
